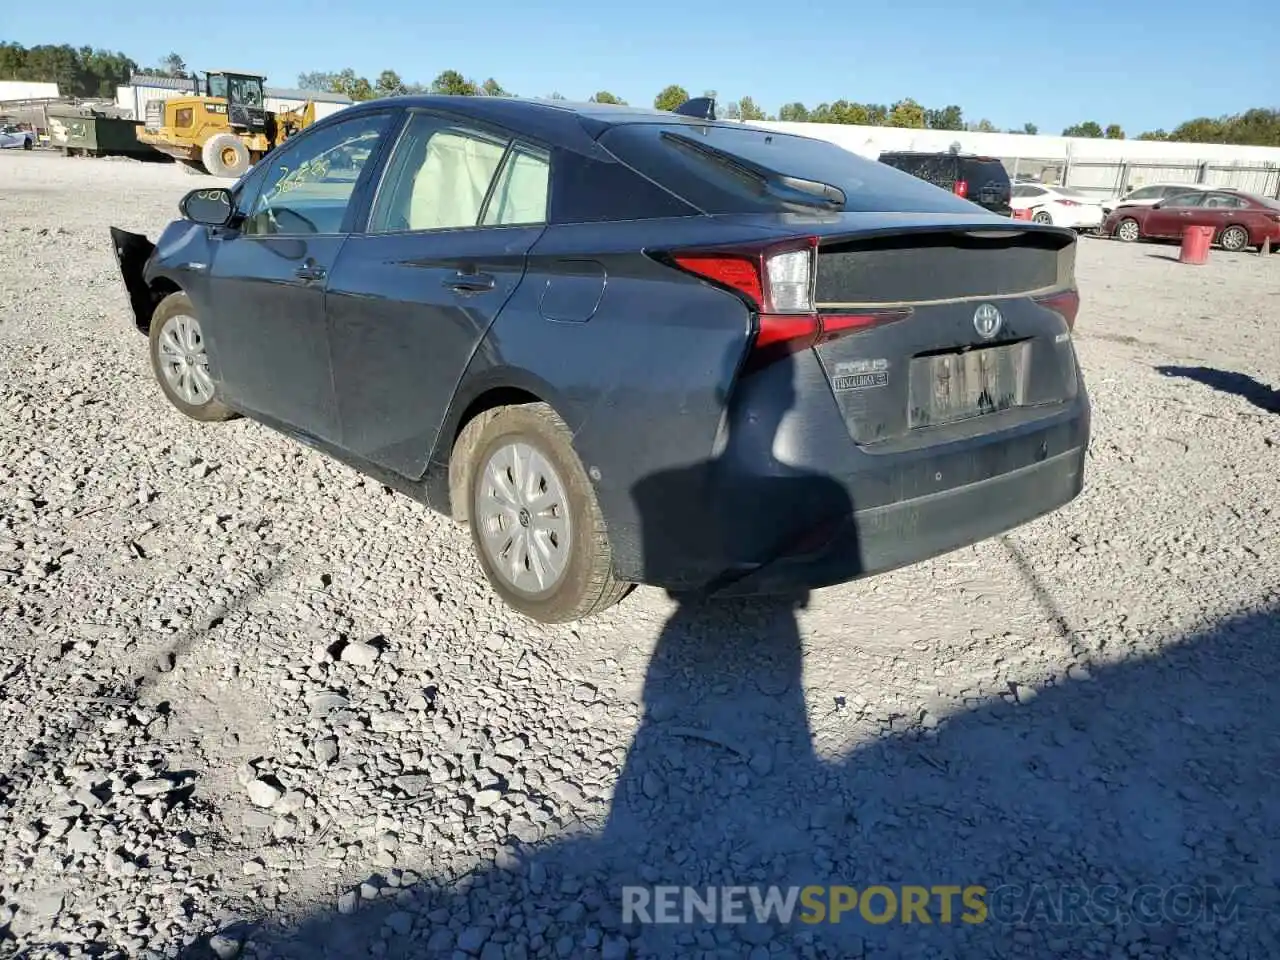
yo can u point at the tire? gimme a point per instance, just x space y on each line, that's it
27 144
1128 230
578 575
1042 216
225 156
170 327
1234 238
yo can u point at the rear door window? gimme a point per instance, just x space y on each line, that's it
1224 200
438 178
717 169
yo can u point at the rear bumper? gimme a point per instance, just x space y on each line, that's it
1087 219
881 539
790 503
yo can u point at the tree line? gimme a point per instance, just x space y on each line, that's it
87 72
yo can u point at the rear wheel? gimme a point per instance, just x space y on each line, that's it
1042 216
535 522
26 144
1128 230
1234 238
224 155
180 362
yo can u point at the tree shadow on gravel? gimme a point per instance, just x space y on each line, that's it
1070 809
1240 384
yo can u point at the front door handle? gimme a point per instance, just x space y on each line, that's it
311 271
469 282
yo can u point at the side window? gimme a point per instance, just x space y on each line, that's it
438 177
1173 191
1223 200
1021 191
245 193
1146 193
307 187
1185 200
520 195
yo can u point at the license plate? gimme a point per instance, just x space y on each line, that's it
948 387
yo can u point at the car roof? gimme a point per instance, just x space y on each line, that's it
570 124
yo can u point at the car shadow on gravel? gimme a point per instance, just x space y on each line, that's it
1121 812
1242 385
1129 812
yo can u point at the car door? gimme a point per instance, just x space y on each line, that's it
268 341
1219 211
1171 215
412 296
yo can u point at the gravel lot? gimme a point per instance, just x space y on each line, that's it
250 701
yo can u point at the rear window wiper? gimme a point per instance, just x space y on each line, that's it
788 189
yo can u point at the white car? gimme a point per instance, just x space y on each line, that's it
1060 206
12 137
1149 194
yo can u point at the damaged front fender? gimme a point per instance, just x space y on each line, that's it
132 251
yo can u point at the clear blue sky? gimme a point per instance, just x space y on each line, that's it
1141 65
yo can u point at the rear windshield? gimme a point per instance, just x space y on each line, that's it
1273 204
710 167
1069 192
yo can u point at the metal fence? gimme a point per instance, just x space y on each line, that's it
1106 178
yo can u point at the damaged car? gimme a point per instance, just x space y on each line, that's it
629 346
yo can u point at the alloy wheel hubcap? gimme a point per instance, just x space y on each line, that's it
522 516
183 360
1231 240
1128 230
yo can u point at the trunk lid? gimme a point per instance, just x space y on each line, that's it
975 346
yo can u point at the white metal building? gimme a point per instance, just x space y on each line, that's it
15 90
134 96
1095 165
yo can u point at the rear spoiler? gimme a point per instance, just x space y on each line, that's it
703 108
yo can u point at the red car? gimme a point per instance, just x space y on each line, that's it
1238 219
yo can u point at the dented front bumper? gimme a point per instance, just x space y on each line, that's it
132 252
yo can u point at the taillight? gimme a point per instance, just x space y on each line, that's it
961 188
777 281
1065 304
1069 203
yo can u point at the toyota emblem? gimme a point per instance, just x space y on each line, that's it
987 320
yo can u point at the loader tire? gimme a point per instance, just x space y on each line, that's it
224 155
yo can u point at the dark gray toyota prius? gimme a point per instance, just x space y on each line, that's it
630 346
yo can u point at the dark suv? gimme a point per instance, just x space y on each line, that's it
982 180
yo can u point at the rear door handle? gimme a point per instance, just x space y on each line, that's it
469 282
311 271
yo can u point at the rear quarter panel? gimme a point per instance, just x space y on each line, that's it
642 370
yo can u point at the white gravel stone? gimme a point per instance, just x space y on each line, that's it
360 654
629 748
262 793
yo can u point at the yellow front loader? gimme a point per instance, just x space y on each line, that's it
224 127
